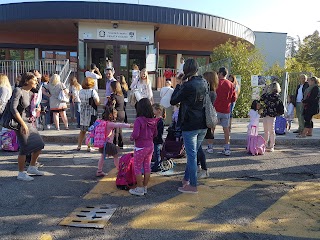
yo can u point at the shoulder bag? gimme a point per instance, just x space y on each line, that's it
92 103
211 114
63 96
8 120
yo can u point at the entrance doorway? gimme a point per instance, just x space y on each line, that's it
120 55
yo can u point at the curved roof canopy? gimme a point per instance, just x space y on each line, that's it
53 13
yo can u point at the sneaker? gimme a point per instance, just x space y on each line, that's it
34 171
48 127
199 169
23 176
188 189
270 149
185 183
209 150
101 174
226 152
145 189
139 191
203 174
89 149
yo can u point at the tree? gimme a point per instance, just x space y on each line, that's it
246 61
292 45
309 52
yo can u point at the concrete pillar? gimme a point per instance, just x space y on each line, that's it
36 58
178 61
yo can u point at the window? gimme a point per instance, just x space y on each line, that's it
2 54
28 54
15 54
47 55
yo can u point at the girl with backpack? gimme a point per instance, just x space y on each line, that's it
254 116
144 131
109 149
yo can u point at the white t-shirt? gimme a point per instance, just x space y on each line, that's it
290 112
300 94
254 118
165 95
95 77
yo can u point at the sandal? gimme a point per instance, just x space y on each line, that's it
78 149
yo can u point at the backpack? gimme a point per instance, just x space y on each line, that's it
126 177
97 134
280 125
256 145
9 141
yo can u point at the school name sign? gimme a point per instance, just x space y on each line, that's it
117 35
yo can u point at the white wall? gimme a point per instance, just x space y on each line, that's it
273 46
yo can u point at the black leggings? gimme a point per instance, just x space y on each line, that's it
308 120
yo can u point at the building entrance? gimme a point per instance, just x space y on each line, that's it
120 55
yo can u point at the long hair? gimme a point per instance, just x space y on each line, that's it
274 87
157 106
254 104
55 79
4 82
144 72
233 79
213 80
108 113
123 83
74 82
292 99
144 108
190 68
45 78
116 88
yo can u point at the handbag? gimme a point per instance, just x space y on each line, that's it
211 114
8 120
92 103
63 96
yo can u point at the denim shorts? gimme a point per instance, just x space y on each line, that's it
223 119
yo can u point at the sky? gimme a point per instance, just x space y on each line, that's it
295 17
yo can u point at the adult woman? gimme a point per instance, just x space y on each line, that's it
74 90
124 88
212 79
135 76
30 142
118 102
310 106
271 99
165 95
5 91
233 79
57 107
143 87
45 101
86 110
191 94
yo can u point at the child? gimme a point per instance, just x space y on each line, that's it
109 115
144 131
290 111
160 113
254 116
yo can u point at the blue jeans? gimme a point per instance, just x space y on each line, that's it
201 158
156 154
192 141
77 112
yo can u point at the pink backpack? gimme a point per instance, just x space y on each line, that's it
97 134
10 141
256 145
126 178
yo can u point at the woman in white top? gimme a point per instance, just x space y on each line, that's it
75 88
144 86
165 95
87 112
5 91
57 106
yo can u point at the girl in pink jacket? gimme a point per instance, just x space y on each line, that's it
144 130
109 115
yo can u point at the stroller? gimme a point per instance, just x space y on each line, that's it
172 147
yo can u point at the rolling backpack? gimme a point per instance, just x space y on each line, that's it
9 141
126 178
256 145
280 125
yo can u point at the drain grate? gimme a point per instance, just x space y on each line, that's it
90 217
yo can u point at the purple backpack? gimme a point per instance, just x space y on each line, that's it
10 141
126 178
256 145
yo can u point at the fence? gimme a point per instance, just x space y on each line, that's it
13 68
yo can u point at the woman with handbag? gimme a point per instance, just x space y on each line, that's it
58 100
89 99
30 142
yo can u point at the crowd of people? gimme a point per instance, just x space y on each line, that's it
182 107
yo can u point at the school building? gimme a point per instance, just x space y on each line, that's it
66 36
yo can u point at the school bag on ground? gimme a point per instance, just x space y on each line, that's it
280 125
256 145
9 141
126 178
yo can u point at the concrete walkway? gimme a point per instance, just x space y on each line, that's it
238 135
